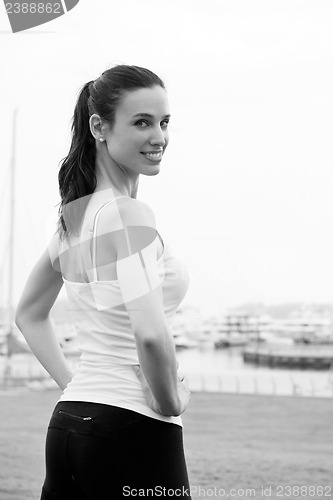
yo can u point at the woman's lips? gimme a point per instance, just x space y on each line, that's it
153 155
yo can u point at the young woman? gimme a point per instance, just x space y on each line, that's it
116 430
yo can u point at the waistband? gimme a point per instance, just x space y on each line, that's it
101 419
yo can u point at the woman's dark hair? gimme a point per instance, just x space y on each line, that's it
77 179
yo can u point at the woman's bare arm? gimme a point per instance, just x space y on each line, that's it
32 319
141 287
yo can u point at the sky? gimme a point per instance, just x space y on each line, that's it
244 195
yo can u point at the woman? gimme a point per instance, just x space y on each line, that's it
116 430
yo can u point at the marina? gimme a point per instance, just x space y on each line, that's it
208 370
235 353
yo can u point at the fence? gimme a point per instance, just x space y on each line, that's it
25 371
265 384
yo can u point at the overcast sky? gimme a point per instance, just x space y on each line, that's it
245 189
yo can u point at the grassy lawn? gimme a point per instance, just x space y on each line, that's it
231 441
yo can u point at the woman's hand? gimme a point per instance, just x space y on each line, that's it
184 392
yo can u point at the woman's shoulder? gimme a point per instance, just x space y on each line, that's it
132 212
131 221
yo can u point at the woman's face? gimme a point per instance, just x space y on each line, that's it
139 135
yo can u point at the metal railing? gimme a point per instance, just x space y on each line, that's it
262 384
33 376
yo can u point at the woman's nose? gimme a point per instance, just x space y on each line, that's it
159 137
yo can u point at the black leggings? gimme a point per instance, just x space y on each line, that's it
102 452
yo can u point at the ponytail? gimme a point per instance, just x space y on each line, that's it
76 176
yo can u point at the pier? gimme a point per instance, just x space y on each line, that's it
318 358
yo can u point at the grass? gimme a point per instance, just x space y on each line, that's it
231 441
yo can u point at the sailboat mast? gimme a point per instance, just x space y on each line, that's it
11 228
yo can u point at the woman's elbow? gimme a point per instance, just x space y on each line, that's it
24 316
17 317
151 342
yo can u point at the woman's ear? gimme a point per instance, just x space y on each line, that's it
96 126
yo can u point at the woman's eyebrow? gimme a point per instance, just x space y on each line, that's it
147 115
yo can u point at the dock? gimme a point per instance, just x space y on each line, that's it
318 358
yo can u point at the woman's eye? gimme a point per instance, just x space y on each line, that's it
142 123
145 123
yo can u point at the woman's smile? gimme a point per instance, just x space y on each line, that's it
154 156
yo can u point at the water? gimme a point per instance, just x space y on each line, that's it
212 370
224 370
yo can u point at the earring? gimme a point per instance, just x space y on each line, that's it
101 139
